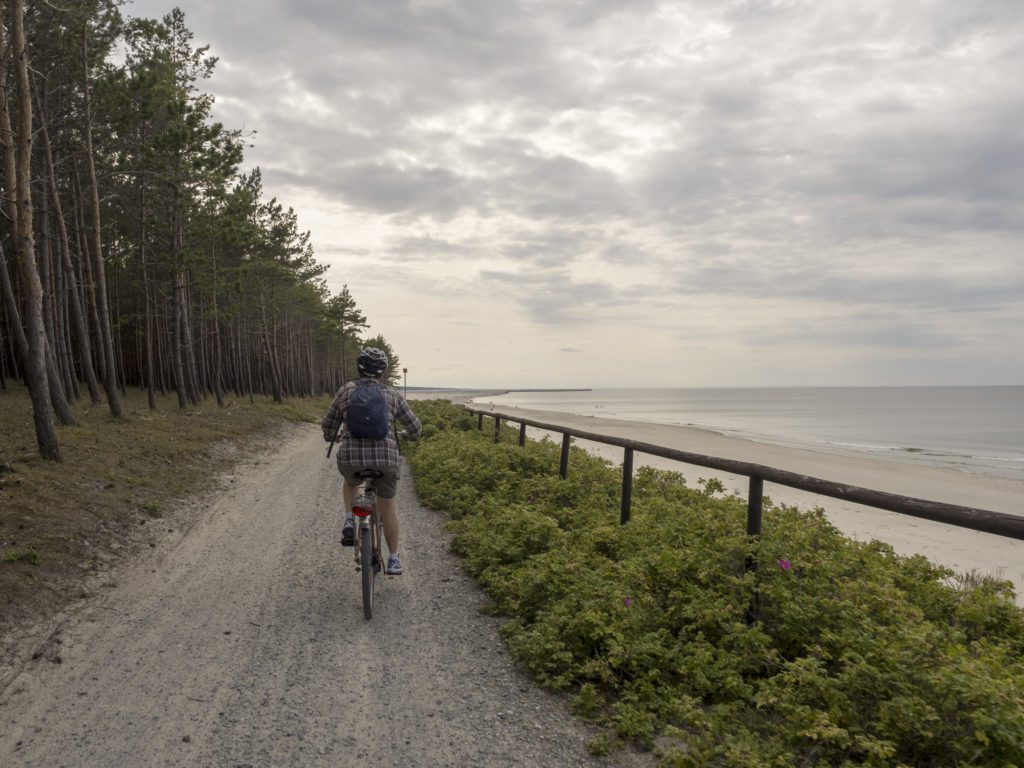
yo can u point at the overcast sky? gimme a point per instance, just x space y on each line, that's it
603 193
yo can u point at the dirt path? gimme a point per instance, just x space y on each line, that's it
244 644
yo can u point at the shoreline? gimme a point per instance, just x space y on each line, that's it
979 438
457 396
962 549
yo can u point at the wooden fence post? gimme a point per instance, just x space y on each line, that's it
755 500
497 428
754 504
480 422
522 434
627 485
563 467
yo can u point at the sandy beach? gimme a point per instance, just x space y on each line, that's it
958 548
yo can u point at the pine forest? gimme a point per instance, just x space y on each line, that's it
134 250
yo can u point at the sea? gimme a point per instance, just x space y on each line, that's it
974 429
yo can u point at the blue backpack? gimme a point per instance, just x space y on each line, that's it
368 416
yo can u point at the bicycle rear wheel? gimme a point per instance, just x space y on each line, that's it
369 572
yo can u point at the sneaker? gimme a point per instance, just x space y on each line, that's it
348 532
394 566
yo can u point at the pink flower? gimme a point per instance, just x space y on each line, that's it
784 564
628 602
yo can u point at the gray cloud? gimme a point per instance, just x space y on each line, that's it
390 189
756 278
431 248
552 298
602 159
865 331
380 67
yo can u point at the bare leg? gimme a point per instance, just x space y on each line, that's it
390 518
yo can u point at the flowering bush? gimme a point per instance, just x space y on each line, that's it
831 652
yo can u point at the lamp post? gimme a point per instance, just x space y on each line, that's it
405 387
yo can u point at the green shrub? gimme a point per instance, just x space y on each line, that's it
21 555
832 652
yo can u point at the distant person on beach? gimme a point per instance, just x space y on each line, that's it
359 453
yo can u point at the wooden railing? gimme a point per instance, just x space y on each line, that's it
987 521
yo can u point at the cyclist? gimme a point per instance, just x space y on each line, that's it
355 454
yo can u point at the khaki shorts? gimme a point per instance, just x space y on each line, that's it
387 486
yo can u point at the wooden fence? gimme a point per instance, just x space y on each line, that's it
987 521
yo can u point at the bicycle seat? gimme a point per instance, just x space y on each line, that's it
369 474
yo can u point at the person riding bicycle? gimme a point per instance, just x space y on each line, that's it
356 454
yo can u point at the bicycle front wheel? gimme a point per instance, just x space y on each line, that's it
367 568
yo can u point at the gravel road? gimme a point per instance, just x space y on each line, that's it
242 643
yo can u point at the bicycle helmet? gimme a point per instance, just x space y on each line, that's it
372 362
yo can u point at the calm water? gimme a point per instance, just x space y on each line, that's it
978 429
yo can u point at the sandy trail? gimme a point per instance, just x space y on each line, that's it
244 644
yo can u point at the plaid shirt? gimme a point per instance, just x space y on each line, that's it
357 452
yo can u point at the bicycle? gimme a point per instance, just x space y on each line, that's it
369 531
369 534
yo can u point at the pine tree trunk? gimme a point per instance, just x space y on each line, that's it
240 388
58 397
13 364
118 347
102 309
310 369
11 307
24 247
139 375
161 337
55 379
61 271
11 208
149 350
179 358
83 273
67 368
182 309
188 338
44 270
218 362
3 355
202 359
275 375
249 362
150 394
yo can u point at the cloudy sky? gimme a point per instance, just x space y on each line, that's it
637 193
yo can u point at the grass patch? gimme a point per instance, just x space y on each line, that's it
858 656
118 477
21 555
